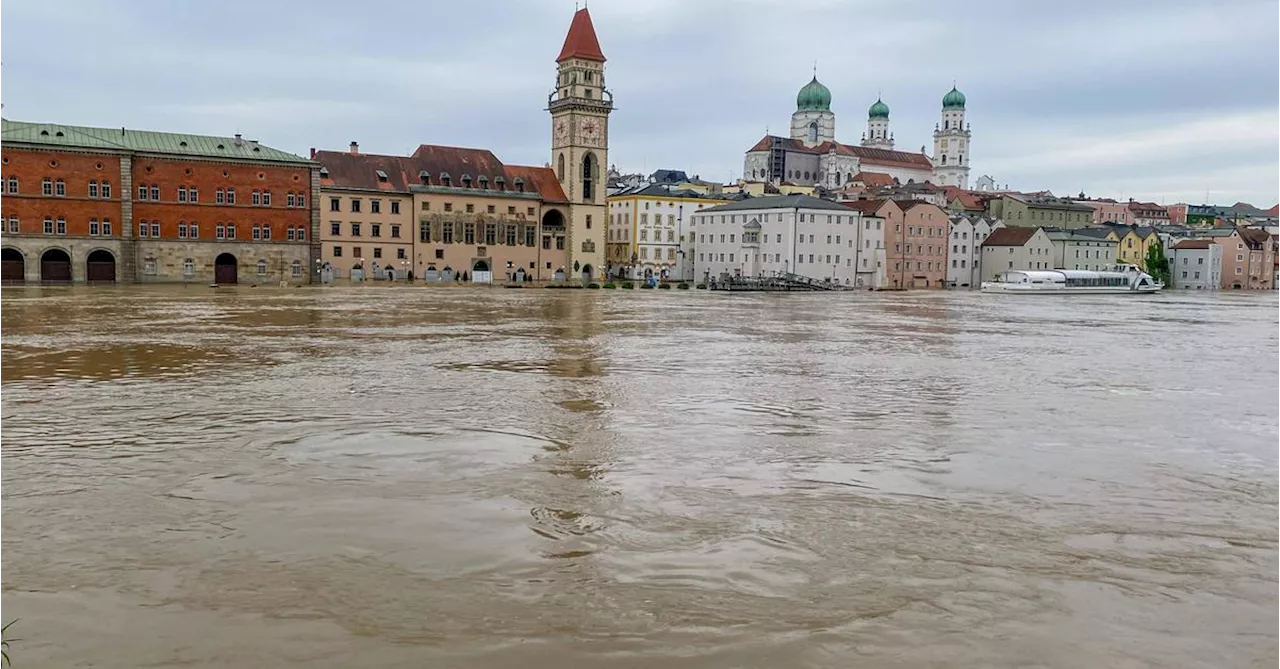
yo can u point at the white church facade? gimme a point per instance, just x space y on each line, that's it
812 156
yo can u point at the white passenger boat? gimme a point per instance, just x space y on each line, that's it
1118 280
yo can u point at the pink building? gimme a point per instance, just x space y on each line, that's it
1248 257
1177 214
1107 210
1148 213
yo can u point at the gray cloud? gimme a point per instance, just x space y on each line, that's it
1117 98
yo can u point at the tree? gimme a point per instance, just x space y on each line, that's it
1157 264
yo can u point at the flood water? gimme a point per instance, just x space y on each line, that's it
458 477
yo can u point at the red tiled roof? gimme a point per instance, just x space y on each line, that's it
868 155
967 200
1009 236
1193 244
350 170
1274 211
581 41
873 178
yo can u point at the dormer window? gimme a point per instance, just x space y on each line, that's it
382 176
324 173
424 177
519 184
445 179
484 182
466 181
501 182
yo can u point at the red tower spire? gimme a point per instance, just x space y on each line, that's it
581 41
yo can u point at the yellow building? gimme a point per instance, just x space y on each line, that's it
647 230
1133 243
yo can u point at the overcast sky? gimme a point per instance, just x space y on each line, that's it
1123 98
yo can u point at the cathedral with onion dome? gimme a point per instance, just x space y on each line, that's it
811 156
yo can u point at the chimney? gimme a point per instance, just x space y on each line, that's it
313 153
355 148
239 142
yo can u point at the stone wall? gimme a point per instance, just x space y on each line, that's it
164 261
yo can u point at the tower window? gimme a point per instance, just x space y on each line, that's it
588 176
560 167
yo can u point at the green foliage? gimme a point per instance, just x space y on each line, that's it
646 286
593 286
702 286
665 286
683 286
610 285
4 643
1158 264
628 285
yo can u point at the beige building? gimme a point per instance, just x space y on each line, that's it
1015 248
455 214
648 230
1089 248
1033 210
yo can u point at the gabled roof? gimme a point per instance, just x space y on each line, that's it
581 41
1012 236
1190 244
141 141
1218 232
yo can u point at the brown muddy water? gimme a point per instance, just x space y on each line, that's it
374 477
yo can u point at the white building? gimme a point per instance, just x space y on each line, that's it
1015 248
812 156
1086 248
964 269
794 234
1196 264
647 233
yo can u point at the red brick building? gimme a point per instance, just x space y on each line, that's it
104 204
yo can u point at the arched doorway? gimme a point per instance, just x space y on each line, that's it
225 268
391 274
519 275
559 275
552 219
587 272
14 266
480 272
55 266
100 267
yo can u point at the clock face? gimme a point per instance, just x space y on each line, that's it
589 129
561 130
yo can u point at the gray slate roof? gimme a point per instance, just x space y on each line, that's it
778 202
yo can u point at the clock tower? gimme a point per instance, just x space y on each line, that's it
580 108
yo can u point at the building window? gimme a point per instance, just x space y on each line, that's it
149 266
62 226
193 195
46 187
155 193
296 268
355 206
13 185
424 232
446 233
395 207
231 196
106 227
93 189
60 188
182 194
529 236
142 192
448 206
256 198
560 243
375 206
335 228
377 251
266 232
48 226
266 198
490 234
335 204
262 268
290 234
143 229
546 242
257 232
355 229
220 231
219 196
337 251
13 224
155 229
182 229
375 229
289 200
188 267
301 234
471 209
93 227
511 235
490 209
193 230
395 231
468 233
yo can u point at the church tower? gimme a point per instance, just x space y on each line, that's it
951 143
580 108
813 122
878 135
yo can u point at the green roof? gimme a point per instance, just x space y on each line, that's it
814 97
140 141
